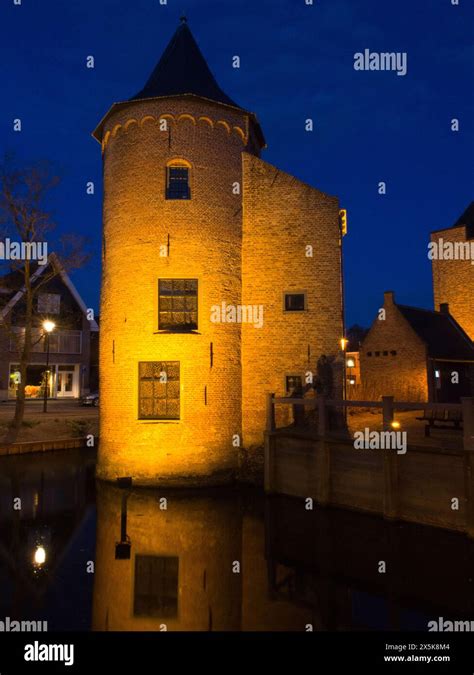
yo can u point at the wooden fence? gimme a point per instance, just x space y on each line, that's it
429 485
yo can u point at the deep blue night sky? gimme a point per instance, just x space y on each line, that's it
296 62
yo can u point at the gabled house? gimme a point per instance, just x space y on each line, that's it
69 343
417 354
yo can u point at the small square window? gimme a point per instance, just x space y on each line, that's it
377 353
293 383
369 353
385 353
295 302
393 352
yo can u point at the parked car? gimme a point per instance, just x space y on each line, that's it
91 399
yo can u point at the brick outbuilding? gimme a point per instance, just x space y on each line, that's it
416 354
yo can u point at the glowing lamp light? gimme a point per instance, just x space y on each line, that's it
437 374
343 343
352 381
395 425
350 363
49 326
40 556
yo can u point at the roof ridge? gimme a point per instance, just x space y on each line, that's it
423 309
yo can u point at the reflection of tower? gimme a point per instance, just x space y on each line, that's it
179 571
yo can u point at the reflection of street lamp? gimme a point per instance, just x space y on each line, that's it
48 327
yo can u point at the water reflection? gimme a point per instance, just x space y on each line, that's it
47 535
174 561
215 561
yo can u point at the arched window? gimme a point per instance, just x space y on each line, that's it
177 180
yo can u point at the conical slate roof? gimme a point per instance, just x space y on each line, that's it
183 70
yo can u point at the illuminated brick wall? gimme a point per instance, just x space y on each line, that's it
453 281
205 244
280 217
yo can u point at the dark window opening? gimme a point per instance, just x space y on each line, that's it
377 353
177 183
293 383
177 304
156 586
159 390
385 353
295 302
393 352
369 353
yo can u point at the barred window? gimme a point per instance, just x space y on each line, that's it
177 304
158 390
177 182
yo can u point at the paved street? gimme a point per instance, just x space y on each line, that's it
56 408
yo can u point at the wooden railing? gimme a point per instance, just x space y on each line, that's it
326 468
387 404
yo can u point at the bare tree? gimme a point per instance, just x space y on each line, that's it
25 220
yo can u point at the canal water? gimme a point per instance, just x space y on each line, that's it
88 556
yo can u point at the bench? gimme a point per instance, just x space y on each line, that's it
446 419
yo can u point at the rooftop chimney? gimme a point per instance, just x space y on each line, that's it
389 298
444 308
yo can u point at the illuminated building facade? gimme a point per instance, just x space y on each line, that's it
453 269
221 278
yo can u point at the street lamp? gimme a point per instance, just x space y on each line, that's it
48 327
40 556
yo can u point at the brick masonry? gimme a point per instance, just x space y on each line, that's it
282 217
403 375
246 248
453 281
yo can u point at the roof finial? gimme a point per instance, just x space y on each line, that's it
183 18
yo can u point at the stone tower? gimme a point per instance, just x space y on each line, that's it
178 159
453 269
